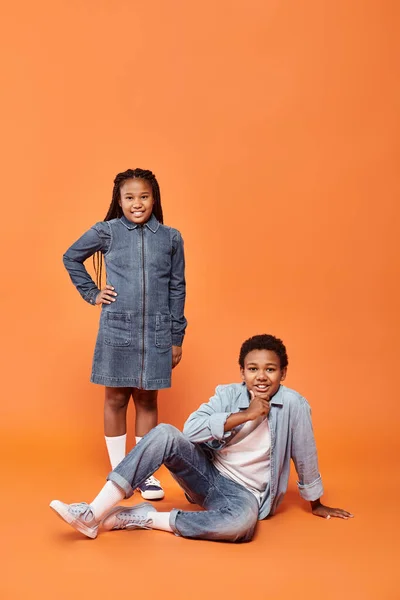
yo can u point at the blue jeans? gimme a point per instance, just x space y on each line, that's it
231 511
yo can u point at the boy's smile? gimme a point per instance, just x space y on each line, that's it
136 200
262 373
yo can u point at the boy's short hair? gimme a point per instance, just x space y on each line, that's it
264 342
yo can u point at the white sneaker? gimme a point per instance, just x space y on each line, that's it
151 489
80 516
132 517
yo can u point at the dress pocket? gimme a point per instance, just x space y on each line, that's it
163 331
117 329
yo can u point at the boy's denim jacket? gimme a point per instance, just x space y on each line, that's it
291 432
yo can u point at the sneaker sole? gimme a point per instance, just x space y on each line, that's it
151 495
63 513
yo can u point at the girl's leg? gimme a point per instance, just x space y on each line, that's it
146 419
146 410
115 407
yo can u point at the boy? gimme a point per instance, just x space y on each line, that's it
232 459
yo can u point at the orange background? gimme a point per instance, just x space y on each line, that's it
272 127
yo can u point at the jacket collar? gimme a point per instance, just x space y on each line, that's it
151 224
244 398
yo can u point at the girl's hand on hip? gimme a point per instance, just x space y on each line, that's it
106 296
176 355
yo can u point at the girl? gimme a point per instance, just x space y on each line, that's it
142 322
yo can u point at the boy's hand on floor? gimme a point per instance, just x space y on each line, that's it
326 512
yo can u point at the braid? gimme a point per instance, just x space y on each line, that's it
115 211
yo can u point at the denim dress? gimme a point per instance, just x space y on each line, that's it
146 266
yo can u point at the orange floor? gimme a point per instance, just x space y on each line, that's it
292 555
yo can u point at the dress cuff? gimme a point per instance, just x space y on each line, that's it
91 296
177 339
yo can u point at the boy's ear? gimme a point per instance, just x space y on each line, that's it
242 372
283 376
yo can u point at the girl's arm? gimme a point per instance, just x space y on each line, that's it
96 239
177 290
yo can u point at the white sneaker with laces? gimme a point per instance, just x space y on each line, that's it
80 516
129 517
151 489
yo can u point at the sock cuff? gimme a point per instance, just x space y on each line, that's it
115 437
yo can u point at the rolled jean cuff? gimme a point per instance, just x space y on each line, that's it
311 491
121 482
172 520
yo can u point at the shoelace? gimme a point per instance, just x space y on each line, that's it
83 510
152 481
127 520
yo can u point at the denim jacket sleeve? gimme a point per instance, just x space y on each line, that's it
206 424
304 454
177 289
98 238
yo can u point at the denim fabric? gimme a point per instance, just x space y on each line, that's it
231 511
291 432
146 265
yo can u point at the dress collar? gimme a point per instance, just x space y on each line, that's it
151 224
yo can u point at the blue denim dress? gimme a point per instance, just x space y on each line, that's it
146 266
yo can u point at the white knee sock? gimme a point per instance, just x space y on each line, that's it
116 447
108 497
159 520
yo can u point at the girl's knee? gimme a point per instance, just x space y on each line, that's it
116 399
145 399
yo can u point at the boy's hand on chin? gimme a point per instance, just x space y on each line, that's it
259 405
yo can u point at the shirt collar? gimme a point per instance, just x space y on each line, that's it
244 398
151 224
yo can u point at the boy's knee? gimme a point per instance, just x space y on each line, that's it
167 430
